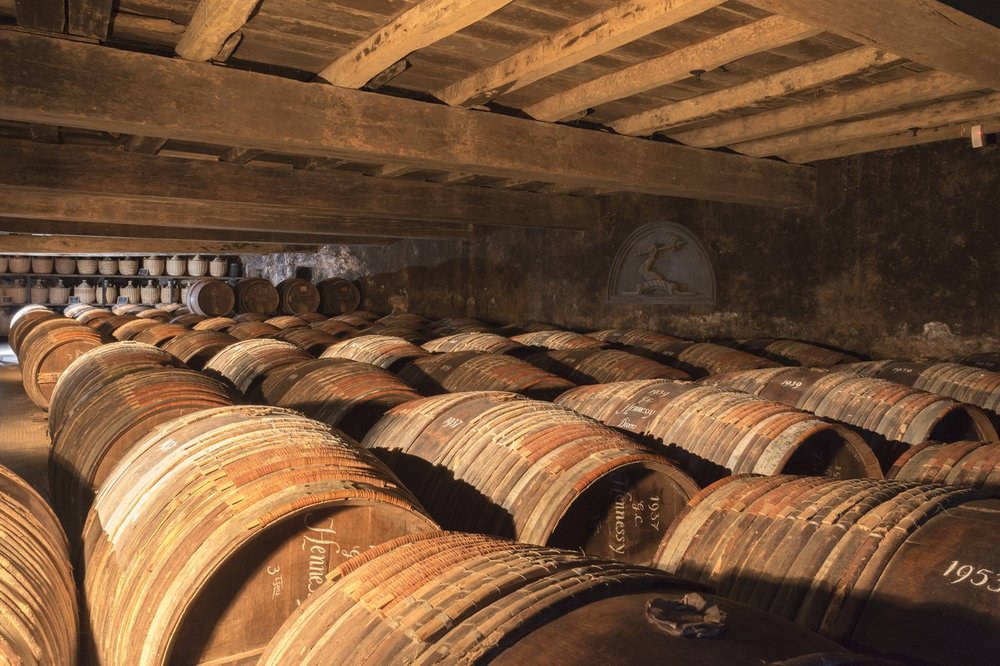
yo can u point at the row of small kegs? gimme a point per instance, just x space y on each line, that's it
271 488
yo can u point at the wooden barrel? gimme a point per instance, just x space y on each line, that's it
511 604
890 416
130 308
355 319
453 325
338 296
253 329
796 352
130 329
385 351
644 343
340 392
402 331
984 360
895 568
98 368
246 364
496 463
157 314
712 432
256 296
409 319
296 295
312 317
76 309
972 464
216 526
450 372
26 319
287 321
602 366
173 309
215 324
196 348
188 320
555 339
92 318
96 434
210 297
334 327
484 342
308 339
48 350
160 334
39 618
107 326
526 327
251 316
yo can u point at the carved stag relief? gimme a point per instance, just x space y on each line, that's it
665 263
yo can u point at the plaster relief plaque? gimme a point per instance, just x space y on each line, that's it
662 262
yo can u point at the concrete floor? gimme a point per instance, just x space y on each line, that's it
24 439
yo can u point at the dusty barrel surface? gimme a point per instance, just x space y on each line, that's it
513 603
47 350
96 434
212 298
245 364
496 463
287 321
338 296
307 339
196 348
256 296
892 417
455 325
39 619
98 368
554 339
985 360
698 359
109 325
338 329
895 568
252 329
188 320
713 432
160 334
602 366
973 464
797 352
385 351
130 329
474 341
296 295
450 372
24 320
180 570
214 324
350 395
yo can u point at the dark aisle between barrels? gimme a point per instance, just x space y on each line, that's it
24 441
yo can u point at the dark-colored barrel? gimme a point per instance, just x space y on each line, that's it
713 432
469 599
453 325
218 525
287 321
308 339
336 328
899 569
252 329
247 363
196 348
160 334
972 464
558 340
222 324
797 352
296 295
256 296
602 366
107 326
450 372
698 359
385 351
496 463
251 316
337 296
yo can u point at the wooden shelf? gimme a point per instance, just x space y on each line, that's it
7 276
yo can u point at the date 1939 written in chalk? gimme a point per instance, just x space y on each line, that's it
980 577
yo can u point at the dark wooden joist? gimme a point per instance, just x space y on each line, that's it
89 18
82 85
182 234
81 169
47 15
26 244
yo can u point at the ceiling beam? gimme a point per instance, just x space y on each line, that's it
47 15
421 25
763 35
240 155
80 85
786 82
147 145
85 229
83 169
211 27
97 245
923 87
934 115
89 18
900 140
600 33
926 31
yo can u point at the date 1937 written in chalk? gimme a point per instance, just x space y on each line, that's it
980 577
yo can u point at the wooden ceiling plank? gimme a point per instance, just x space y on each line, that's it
926 31
25 244
789 81
421 25
85 229
239 155
213 23
934 115
759 36
923 87
89 18
919 137
101 170
81 85
393 170
147 145
44 133
598 34
46 15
